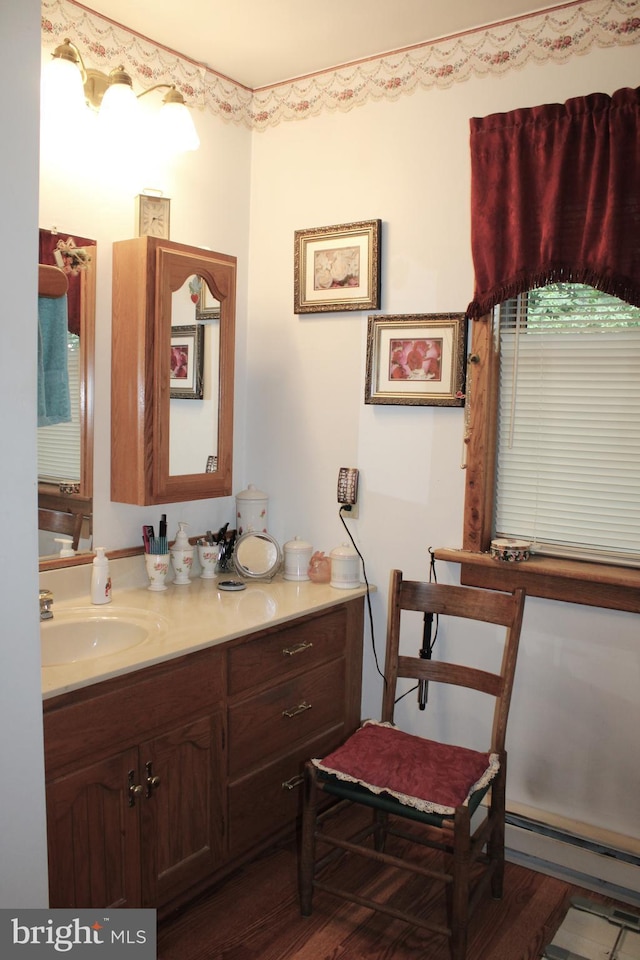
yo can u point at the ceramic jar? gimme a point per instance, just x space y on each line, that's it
251 510
345 567
297 554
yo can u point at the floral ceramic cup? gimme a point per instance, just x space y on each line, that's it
208 557
157 569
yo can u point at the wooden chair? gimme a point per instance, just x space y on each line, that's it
67 524
432 788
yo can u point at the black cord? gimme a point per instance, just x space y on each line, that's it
428 640
433 579
432 566
364 574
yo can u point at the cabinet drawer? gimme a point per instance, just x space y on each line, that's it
288 651
123 710
274 720
269 799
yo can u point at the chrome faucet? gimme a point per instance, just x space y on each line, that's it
46 602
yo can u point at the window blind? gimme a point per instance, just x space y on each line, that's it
568 464
59 444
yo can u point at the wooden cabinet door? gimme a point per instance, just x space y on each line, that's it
182 811
94 835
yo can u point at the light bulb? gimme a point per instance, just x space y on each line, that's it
119 114
175 128
61 90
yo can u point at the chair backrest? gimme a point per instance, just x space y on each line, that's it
470 603
59 521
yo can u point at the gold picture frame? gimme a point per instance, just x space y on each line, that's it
187 362
337 268
416 359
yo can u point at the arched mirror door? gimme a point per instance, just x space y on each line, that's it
172 372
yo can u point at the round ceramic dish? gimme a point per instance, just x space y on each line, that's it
510 550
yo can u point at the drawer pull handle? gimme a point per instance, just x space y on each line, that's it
299 648
294 711
293 782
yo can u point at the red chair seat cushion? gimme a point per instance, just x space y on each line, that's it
431 777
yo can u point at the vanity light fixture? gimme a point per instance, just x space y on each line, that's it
113 96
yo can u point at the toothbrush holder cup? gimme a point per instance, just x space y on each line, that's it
208 554
157 568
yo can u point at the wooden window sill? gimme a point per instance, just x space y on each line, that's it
574 581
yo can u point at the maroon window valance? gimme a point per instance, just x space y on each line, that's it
555 195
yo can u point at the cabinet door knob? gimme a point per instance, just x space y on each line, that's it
294 711
299 648
153 781
134 789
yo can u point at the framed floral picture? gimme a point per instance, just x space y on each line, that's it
337 268
187 362
207 307
416 359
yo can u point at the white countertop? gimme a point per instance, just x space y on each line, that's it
190 617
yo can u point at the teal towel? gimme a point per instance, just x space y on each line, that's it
54 404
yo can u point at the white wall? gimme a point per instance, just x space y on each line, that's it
23 874
576 711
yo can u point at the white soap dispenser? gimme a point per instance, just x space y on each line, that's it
100 578
182 555
66 550
182 540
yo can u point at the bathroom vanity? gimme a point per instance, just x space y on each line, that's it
169 765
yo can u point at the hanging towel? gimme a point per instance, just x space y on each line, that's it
54 404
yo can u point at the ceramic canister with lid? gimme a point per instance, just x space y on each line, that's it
297 554
345 567
251 510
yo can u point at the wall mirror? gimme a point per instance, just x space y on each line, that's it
172 372
66 338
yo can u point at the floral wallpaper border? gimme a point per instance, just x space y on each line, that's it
560 33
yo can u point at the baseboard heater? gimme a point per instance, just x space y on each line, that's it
571 857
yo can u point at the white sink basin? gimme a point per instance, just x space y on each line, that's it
84 633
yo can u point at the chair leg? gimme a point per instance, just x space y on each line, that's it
380 820
459 915
307 855
495 846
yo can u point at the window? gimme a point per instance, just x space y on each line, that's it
575 581
554 199
568 440
59 444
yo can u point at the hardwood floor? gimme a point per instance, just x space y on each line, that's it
254 915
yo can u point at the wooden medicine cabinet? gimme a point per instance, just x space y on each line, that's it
172 366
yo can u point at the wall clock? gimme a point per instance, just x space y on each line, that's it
152 216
